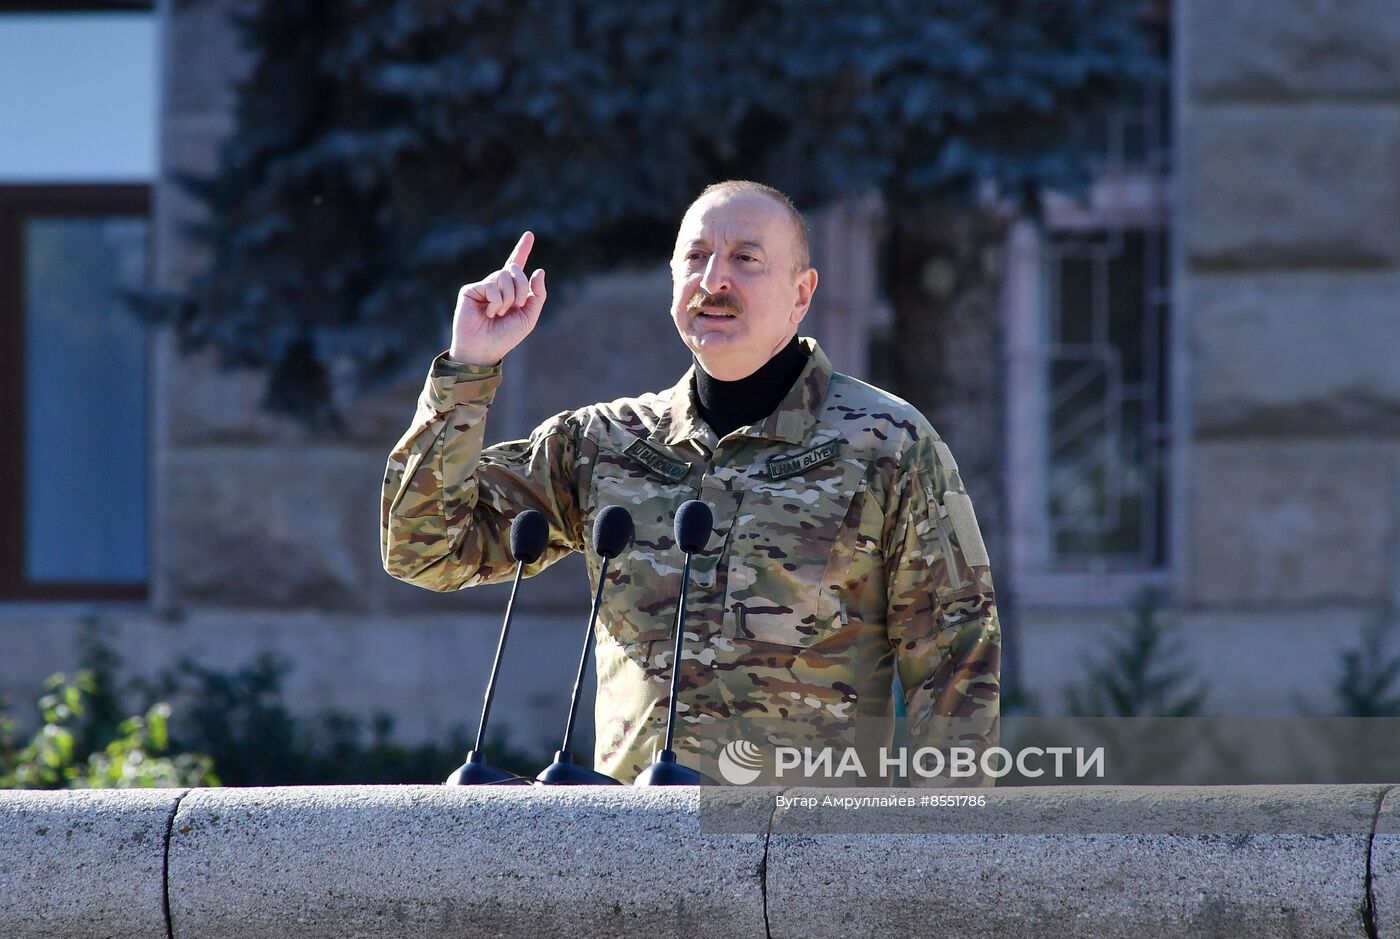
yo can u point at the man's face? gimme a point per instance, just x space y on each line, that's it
736 298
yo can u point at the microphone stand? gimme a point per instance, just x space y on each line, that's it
476 771
666 771
563 771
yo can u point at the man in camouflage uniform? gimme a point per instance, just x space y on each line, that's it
844 544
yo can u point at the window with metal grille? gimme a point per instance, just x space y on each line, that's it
1106 399
1090 348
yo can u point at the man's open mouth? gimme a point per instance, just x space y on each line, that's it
718 314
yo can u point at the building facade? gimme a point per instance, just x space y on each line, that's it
1201 365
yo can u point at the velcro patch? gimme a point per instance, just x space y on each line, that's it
659 463
965 525
781 467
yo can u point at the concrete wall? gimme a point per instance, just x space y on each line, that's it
1106 862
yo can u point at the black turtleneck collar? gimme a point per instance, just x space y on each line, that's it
729 405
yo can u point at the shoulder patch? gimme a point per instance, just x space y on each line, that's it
660 464
781 467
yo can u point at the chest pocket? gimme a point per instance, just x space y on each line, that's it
639 602
782 548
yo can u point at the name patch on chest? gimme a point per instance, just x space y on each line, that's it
781 467
658 462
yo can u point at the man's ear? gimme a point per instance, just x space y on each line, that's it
806 286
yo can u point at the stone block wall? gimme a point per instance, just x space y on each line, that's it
1286 276
1285 208
1289 289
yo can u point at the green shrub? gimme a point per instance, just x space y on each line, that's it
241 719
79 747
195 719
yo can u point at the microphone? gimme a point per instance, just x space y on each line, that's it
529 536
612 533
694 522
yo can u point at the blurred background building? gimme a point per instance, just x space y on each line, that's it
1188 383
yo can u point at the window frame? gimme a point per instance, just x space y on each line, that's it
19 202
1128 200
1124 193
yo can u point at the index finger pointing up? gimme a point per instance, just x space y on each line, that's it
521 252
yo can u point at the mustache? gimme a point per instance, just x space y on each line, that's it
717 300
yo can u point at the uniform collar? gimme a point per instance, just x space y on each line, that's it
790 423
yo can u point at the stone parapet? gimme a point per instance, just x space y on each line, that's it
1255 861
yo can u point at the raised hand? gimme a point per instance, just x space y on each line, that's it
495 314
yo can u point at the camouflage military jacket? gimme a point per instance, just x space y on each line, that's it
844 547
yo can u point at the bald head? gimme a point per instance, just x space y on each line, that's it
802 249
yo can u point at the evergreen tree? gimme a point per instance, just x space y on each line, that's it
1143 673
385 153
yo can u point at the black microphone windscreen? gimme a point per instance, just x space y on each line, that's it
529 534
612 531
693 524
